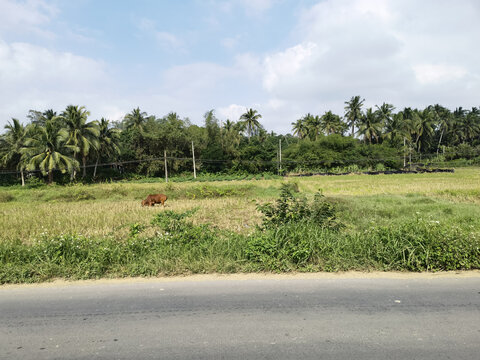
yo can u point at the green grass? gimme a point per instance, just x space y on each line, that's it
413 222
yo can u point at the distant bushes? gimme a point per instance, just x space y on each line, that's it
335 151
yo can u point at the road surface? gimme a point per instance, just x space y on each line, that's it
265 318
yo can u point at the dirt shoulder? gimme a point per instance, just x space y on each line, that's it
257 276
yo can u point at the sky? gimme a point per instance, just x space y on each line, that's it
284 58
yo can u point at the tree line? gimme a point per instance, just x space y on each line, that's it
62 145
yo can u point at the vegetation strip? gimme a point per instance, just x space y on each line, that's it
66 147
296 233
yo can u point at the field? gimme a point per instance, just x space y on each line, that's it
445 202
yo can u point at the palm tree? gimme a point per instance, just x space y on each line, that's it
423 127
353 111
370 126
230 136
442 118
250 119
300 128
332 124
14 140
107 141
46 148
385 112
313 125
469 125
228 125
394 127
136 119
82 134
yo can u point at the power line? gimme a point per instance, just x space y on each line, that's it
340 162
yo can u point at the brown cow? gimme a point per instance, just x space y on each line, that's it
151 200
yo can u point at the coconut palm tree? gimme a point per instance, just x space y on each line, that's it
332 124
108 139
228 125
314 125
82 134
384 112
442 118
393 128
468 126
370 126
136 119
250 119
14 141
46 149
353 111
231 136
300 128
423 127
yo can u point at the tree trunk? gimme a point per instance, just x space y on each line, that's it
84 161
50 177
23 177
95 169
439 142
73 175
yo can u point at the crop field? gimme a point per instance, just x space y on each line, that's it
439 203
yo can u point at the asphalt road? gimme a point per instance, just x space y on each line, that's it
244 319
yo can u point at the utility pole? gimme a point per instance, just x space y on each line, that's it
166 171
194 170
280 156
410 157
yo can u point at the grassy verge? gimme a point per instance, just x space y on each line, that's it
183 248
412 222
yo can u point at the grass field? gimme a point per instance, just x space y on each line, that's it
110 211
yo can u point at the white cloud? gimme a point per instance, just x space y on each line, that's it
288 65
394 51
252 8
256 7
163 38
231 112
436 74
33 77
26 17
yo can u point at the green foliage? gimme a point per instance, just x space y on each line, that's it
208 191
6 197
172 221
415 245
182 247
136 229
290 208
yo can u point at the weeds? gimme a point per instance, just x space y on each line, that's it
290 208
402 223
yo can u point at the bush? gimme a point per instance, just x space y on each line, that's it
6 197
290 208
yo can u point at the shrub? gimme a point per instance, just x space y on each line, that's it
6 197
290 208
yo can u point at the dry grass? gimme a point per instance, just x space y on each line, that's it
113 218
27 213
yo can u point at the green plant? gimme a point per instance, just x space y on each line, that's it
290 208
6 197
135 229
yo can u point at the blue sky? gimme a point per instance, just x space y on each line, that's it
282 57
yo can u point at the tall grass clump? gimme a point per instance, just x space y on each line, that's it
300 236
